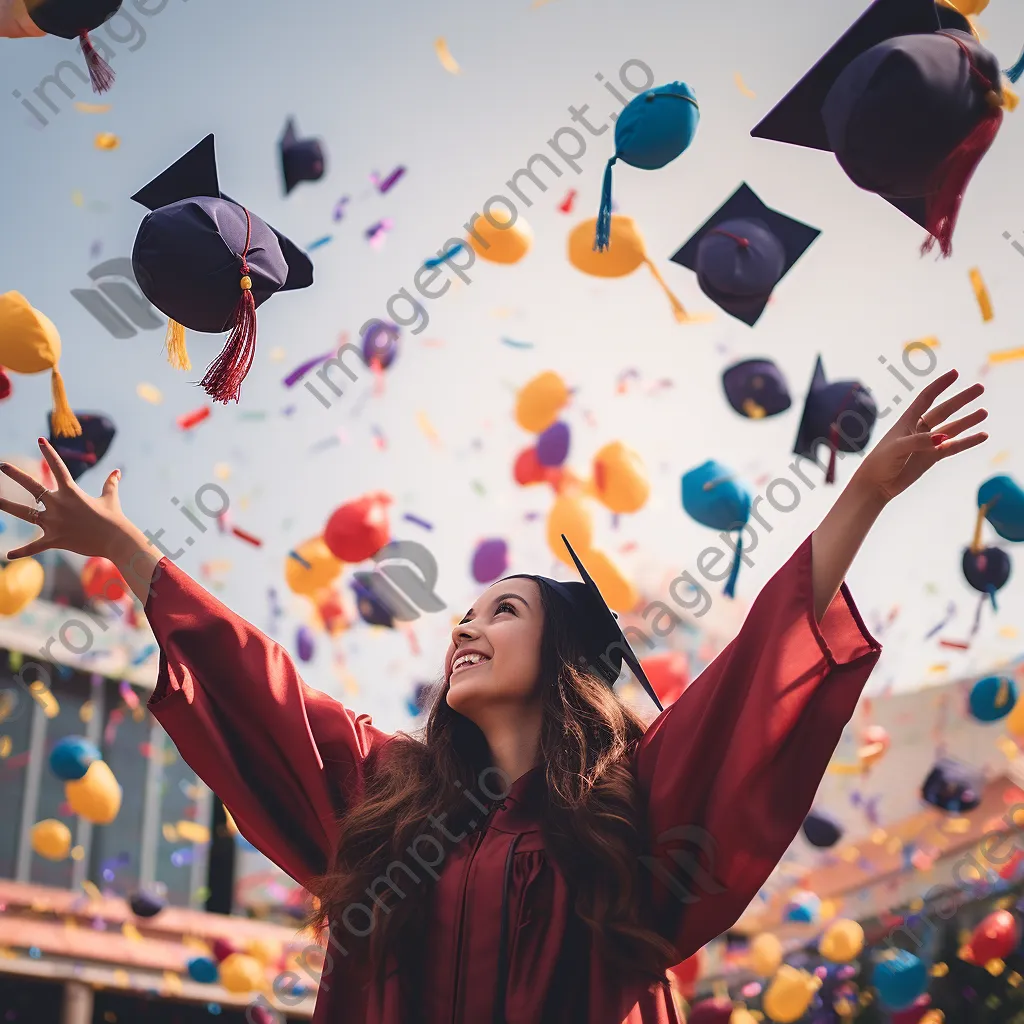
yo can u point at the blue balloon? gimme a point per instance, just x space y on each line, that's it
992 698
1005 501
900 979
305 643
71 757
202 970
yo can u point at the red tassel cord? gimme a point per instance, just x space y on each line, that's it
953 176
101 74
224 376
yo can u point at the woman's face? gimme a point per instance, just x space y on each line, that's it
501 633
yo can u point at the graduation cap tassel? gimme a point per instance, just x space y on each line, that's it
64 421
101 74
677 307
734 572
177 351
977 615
976 540
833 444
1014 73
604 213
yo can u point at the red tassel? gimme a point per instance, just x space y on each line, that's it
955 173
833 441
101 74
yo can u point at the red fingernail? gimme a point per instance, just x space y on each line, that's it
937 439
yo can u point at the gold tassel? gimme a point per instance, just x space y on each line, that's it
177 353
1010 98
976 542
65 423
681 315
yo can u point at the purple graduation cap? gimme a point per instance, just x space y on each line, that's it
75 19
602 643
742 252
301 159
756 389
987 570
83 452
821 829
908 101
207 263
830 413
953 786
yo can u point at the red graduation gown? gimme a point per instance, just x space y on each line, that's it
728 773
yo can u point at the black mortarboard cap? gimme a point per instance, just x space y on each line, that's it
756 388
146 904
83 452
904 89
743 251
192 262
821 829
601 640
372 610
831 411
987 570
75 19
301 159
953 786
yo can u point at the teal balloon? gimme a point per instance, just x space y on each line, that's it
202 970
900 980
992 698
1007 512
71 757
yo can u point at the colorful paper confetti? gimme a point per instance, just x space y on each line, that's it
148 393
512 343
981 294
320 242
1006 355
448 62
388 183
106 140
438 260
741 85
410 518
93 108
566 205
192 419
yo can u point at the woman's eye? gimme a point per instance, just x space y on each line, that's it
505 606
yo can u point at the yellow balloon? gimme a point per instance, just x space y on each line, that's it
620 480
1015 720
51 839
789 995
96 796
765 954
620 595
569 515
21 582
266 951
540 401
742 1016
323 569
242 973
508 242
842 942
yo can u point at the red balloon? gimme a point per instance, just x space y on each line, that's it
101 580
669 674
711 1011
995 938
528 470
222 949
687 973
5 385
359 529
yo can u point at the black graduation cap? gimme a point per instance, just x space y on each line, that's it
987 570
75 19
372 610
743 251
301 159
840 414
908 101
600 637
146 904
83 452
207 263
821 829
953 786
756 388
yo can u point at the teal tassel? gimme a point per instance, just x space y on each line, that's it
1014 74
992 598
604 214
730 583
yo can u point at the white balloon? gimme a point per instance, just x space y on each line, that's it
15 22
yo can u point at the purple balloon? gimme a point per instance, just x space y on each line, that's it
380 342
305 643
553 445
490 560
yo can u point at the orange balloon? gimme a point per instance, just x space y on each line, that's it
569 515
540 400
620 479
619 594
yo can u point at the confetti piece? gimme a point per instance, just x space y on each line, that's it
222 471
479 488
410 518
379 439
565 206
121 978
91 891
148 393
1006 355
247 537
377 233
106 140
1008 748
6 745
130 932
298 558
258 414
438 260
144 655
193 832
448 62
77 198
302 369
955 644
981 294
128 695
956 826
93 108
741 85
172 984
214 568
390 181
426 427
512 343
320 242
930 342
339 208
277 354
192 419
940 667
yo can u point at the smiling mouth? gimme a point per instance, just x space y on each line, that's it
467 665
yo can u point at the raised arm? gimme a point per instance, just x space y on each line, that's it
285 759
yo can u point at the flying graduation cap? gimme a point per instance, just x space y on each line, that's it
83 452
603 644
301 159
908 101
756 388
208 263
743 251
75 19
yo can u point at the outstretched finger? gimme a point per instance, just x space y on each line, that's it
32 548
956 427
19 476
923 402
960 444
915 444
944 410
22 512
56 463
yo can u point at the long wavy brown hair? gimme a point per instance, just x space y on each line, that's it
592 819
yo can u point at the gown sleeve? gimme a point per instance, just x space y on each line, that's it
729 771
286 760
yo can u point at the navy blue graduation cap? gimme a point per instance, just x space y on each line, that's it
908 101
987 570
603 644
75 19
83 452
372 610
953 786
831 412
756 388
207 263
743 251
821 829
146 904
301 159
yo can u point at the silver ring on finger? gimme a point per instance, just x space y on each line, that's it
43 495
922 427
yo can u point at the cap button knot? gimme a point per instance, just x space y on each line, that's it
246 283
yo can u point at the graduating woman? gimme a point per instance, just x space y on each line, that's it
539 857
